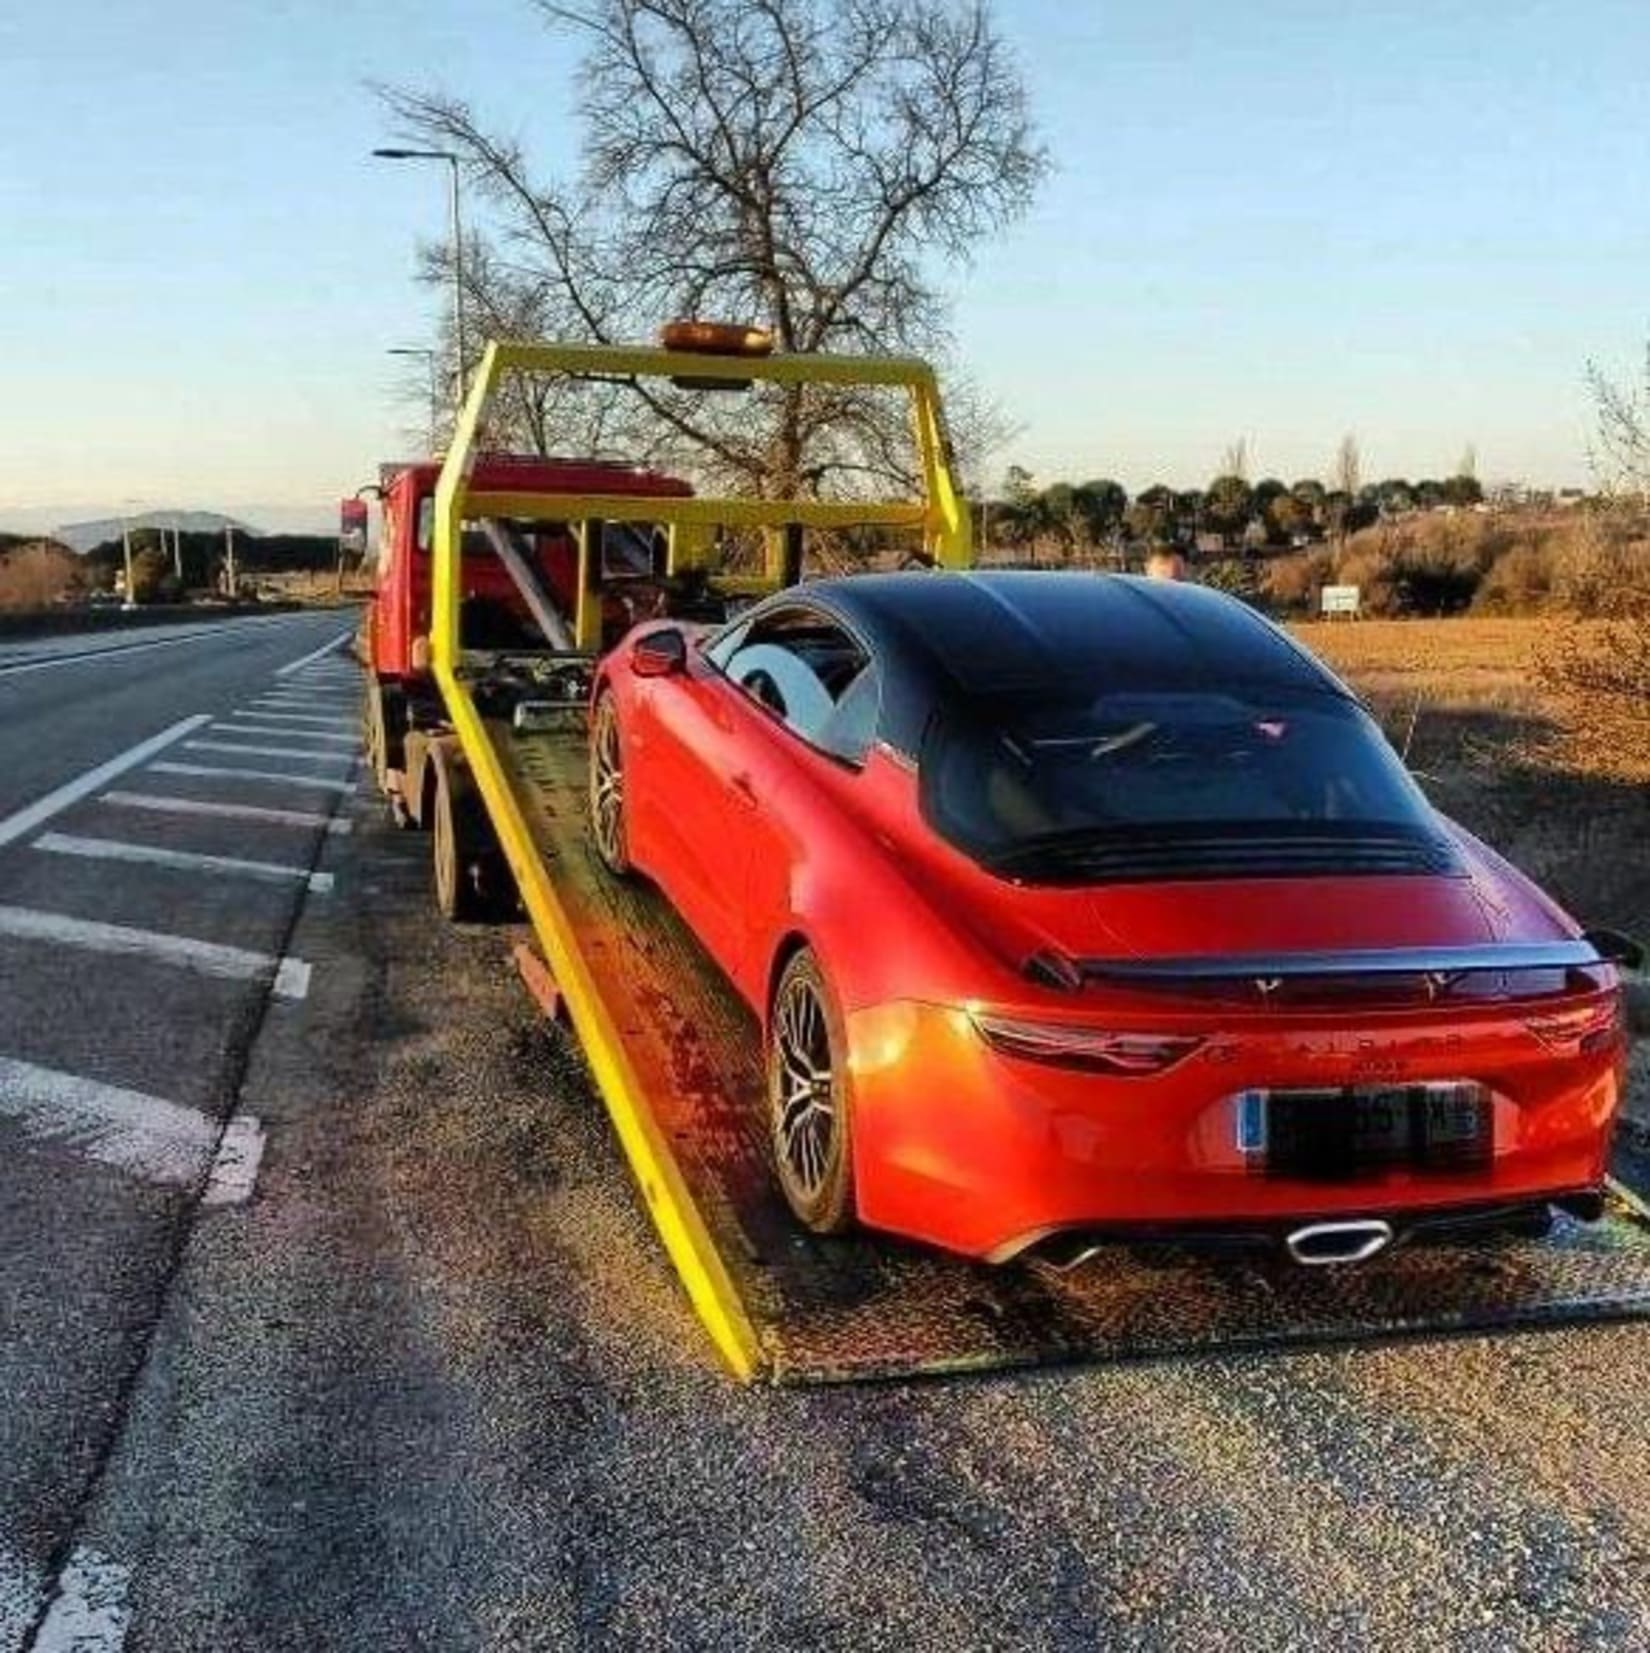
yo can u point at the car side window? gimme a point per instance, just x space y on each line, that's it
809 672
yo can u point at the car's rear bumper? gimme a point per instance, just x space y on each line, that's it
987 1154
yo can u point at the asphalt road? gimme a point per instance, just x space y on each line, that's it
139 955
432 1384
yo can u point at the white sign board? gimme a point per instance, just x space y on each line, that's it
1338 599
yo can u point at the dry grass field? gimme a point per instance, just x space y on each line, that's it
1559 784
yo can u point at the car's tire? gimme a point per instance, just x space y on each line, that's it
809 1114
606 788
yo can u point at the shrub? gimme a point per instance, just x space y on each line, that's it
1292 583
1519 582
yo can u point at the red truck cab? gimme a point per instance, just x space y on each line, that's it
409 744
493 613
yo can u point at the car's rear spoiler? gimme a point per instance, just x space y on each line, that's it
1594 948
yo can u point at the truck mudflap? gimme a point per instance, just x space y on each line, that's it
667 1039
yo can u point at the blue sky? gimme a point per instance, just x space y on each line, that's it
1282 221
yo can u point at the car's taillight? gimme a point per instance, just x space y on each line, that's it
1097 1050
1583 1030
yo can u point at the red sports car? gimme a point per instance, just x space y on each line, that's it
1078 906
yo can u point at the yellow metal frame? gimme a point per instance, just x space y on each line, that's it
944 522
941 515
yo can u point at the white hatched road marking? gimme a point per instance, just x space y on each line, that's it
289 731
71 792
235 1167
146 1136
283 776
88 1613
239 812
282 715
114 849
296 694
315 654
265 751
319 706
289 977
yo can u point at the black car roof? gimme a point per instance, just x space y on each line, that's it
941 635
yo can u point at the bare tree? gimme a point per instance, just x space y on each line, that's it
1347 472
1609 667
1467 464
795 163
1620 448
1235 461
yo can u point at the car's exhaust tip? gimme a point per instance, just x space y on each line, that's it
1064 1252
1322 1245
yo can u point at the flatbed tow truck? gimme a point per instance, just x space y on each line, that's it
487 746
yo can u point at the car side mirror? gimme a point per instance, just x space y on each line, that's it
661 653
1616 947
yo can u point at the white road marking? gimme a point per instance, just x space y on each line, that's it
235 1169
315 654
71 792
114 849
289 977
297 696
283 714
314 706
283 776
88 1614
145 1136
265 751
124 651
236 812
290 731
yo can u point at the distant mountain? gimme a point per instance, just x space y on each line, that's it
82 536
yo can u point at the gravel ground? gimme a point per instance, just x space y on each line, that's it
435 1387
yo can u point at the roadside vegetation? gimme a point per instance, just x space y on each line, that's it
1590 560
44 574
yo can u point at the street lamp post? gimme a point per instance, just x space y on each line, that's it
435 395
452 161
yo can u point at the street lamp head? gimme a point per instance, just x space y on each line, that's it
415 155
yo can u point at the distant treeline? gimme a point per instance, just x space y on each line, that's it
1229 514
203 555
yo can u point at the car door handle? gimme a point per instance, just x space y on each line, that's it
744 789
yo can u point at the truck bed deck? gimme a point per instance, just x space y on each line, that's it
803 1308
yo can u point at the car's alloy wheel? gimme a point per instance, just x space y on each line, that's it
607 823
808 1098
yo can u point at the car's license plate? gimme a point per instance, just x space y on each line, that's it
1337 1130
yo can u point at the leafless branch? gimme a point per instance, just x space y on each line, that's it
795 163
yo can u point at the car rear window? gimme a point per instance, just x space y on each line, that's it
1172 784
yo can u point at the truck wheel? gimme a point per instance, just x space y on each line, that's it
455 853
382 729
374 736
607 816
808 1104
